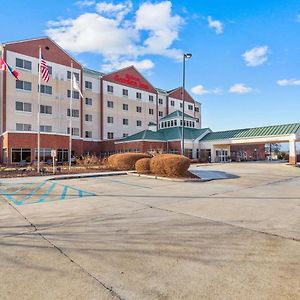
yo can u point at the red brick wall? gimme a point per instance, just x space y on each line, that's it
250 151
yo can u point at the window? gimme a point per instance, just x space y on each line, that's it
20 155
172 103
139 109
110 89
46 89
160 101
110 104
110 120
46 128
88 118
23 64
75 74
138 123
46 109
160 113
110 135
88 101
75 113
75 131
172 123
150 98
181 105
125 106
125 93
23 85
151 111
75 94
175 122
196 109
88 134
23 127
190 107
45 154
23 106
125 121
88 85
49 69
138 95
125 135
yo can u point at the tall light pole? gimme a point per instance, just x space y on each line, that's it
185 56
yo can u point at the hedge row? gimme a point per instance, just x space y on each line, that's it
125 161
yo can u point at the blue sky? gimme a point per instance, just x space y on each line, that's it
245 68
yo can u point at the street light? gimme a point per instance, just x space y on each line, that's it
185 56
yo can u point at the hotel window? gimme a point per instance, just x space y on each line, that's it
125 135
151 111
75 74
75 113
160 101
88 85
88 118
175 122
172 103
46 89
23 85
20 155
162 125
138 95
172 123
88 101
88 134
49 69
196 109
46 128
46 109
125 92
181 105
151 98
110 120
110 135
23 127
110 89
75 131
160 113
139 109
125 122
193 124
23 64
169 123
23 106
75 94
190 107
110 104
125 106
138 123
45 154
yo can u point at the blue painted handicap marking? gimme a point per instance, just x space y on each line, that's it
38 192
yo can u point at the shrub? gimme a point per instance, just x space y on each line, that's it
172 165
88 160
142 166
125 161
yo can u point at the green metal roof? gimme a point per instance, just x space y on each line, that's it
166 134
253 132
174 114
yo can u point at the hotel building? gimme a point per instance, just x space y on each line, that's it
120 111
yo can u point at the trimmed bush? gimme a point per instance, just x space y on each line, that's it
88 160
142 166
171 165
125 161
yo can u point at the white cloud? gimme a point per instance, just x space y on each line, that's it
85 3
142 65
216 25
200 90
119 36
240 88
288 82
256 56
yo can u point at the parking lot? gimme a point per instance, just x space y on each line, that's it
127 237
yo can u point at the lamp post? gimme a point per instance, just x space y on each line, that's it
185 56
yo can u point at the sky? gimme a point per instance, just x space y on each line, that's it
245 65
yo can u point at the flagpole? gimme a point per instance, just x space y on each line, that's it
70 136
38 119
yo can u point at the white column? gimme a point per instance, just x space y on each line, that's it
293 153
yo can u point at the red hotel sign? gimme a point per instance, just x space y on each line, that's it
131 81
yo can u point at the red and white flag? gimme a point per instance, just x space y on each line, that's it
44 70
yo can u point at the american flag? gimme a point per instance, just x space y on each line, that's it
44 70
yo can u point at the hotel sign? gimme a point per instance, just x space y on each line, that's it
131 80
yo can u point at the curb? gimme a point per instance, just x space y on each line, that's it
87 175
169 179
